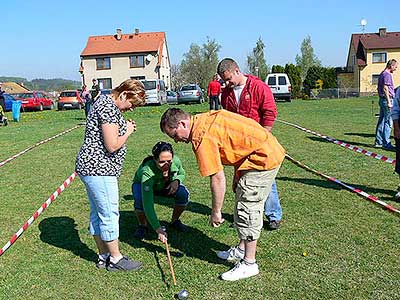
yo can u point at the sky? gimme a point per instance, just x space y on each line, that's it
44 39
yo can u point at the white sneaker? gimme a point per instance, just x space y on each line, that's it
232 254
240 271
397 196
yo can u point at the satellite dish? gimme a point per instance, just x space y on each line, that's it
363 22
149 57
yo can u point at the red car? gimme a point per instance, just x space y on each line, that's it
34 100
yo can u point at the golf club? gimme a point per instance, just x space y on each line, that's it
171 267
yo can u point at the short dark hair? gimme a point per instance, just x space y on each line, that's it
227 64
171 117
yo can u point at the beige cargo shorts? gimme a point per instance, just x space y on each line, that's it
251 193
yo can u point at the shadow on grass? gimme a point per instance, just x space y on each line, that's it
318 139
367 135
61 232
194 207
331 185
192 243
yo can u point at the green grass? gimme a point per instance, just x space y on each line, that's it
352 245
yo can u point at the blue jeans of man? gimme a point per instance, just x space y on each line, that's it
272 206
384 125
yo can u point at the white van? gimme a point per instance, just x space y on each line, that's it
280 86
156 93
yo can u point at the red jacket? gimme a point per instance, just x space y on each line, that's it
256 101
214 88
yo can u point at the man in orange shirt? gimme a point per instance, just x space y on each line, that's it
256 156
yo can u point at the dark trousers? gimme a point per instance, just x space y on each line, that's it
214 102
3 103
397 141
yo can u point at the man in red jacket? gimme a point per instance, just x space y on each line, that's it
213 92
251 97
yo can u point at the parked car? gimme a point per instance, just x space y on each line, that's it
8 101
190 93
70 99
280 86
34 100
156 92
172 97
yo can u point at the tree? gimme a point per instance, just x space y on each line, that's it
176 77
200 63
318 74
277 69
209 53
256 61
295 79
307 58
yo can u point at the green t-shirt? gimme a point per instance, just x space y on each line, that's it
152 180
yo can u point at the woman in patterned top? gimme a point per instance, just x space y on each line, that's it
160 174
99 164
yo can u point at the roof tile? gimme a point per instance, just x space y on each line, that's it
129 43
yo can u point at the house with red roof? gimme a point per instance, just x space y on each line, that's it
367 58
111 59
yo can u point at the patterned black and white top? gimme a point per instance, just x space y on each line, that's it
93 158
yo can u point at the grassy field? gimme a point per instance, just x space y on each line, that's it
351 245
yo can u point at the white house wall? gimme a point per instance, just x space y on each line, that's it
120 69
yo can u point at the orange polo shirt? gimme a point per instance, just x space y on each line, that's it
225 138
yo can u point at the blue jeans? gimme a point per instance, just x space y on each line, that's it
384 125
181 196
272 207
103 197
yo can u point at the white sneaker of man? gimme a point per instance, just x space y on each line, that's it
397 196
232 254
241 271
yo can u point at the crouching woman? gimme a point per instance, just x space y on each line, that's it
160 174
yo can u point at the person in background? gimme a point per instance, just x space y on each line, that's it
86 98
99 164
213 93
386 95
2 100
160 174
220 138
396 133
249 96
95 91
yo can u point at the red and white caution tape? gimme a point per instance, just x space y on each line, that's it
349 187
37 144
343 144
38 212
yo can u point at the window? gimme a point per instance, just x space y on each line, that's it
281 80
354 60
138 77
379 57
162 84
104 83
103 63
375 78
272 80
136 61
68 94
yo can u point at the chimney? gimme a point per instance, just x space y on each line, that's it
118 36
136 31
382 32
